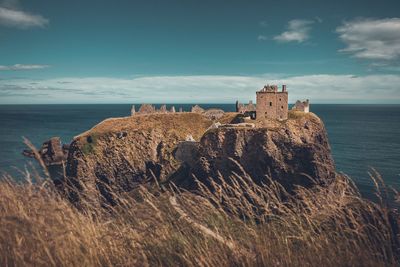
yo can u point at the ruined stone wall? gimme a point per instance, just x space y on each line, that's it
272 105
243 108
303 106
151 109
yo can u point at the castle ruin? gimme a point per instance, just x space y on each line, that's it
145 109
151 109
271 104
303 106
248 110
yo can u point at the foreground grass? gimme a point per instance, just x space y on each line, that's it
235 223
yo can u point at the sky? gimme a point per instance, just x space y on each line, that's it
192 51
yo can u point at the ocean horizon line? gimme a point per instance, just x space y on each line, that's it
194 103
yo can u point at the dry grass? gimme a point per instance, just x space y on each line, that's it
188 122
236 223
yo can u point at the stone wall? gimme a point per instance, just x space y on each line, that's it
272 105
243 108
212 114
150 109
303 106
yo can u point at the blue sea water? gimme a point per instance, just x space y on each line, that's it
361 136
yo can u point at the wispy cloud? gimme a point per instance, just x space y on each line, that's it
322 88
262 37
372 39
20 19
23 67
298 30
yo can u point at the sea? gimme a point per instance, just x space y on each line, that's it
363 138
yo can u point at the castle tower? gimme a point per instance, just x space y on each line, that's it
272 104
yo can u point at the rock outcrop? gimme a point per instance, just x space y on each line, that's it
119 154
124 152
52 152
295 152
54 156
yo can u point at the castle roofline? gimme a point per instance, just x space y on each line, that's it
272 89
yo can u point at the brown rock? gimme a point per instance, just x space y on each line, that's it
118 154
51 152
291 153
122 153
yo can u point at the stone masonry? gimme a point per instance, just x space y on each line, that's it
303 106
272 104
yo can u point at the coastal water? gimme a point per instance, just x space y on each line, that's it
361 136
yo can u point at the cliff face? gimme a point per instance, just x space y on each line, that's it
121 153
294 152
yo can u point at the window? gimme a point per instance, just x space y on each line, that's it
270 104
280 99
281 107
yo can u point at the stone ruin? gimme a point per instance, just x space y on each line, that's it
248 110
212 114
303 106
150 109
197 109
271 104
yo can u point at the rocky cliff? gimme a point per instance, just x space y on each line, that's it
124 152
294 152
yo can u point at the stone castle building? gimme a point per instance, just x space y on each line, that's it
271 104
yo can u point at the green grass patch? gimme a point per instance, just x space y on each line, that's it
90 144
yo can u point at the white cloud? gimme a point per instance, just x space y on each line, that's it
20 19
298 30
323 88
23 67
374 39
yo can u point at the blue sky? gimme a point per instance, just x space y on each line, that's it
198 51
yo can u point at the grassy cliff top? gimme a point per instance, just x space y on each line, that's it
182 123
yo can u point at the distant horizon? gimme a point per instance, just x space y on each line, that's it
194 103
154 51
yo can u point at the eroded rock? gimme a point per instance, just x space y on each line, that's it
52 152
295 153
